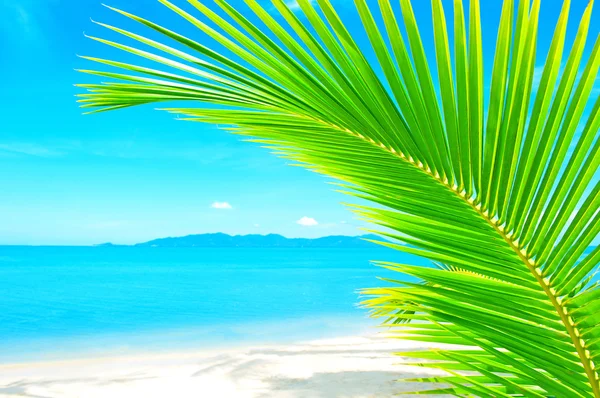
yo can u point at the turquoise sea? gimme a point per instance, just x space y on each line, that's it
61 302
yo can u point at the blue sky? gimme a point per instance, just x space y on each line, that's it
137 174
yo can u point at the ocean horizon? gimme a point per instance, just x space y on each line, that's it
70 301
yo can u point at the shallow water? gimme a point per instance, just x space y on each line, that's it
57 301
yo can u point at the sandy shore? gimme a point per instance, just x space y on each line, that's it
344 367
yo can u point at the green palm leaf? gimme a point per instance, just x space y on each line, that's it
504 200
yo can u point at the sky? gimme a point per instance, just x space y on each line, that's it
137 174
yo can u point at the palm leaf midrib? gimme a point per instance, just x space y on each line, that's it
436 202
534 269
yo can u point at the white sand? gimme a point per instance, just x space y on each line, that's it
345 367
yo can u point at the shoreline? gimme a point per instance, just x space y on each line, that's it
220 336
349 367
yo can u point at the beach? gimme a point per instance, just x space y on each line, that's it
113 322
348 367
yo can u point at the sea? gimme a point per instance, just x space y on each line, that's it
68 302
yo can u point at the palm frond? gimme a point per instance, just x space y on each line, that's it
504 198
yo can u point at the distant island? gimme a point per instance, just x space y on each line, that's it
262 241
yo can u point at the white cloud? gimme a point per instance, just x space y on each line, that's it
307 222
221 206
